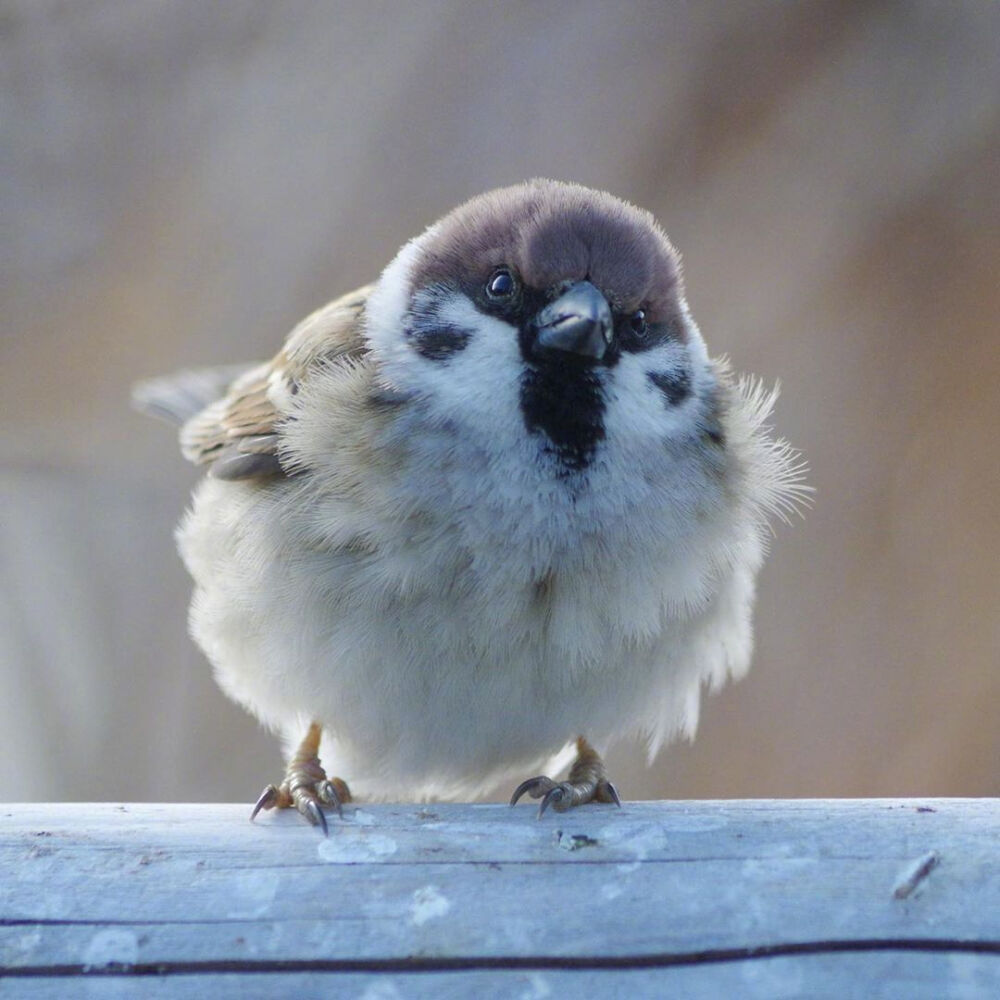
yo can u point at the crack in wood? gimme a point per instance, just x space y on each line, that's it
480 963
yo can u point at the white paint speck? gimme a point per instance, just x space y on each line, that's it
428 904
113 946
344 847
611 890
360 818
574 841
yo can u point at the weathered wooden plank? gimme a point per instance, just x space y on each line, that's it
444 894
486 833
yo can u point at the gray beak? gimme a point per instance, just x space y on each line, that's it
578 323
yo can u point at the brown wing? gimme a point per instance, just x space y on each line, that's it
238 434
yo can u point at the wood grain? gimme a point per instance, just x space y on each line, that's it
765 898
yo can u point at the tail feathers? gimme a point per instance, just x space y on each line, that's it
178 397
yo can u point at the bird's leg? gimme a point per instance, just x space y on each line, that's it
305 784
587 782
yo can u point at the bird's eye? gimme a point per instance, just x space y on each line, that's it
501 285
637 323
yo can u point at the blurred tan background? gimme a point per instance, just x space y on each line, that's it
183 181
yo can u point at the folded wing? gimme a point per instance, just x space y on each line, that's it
231 418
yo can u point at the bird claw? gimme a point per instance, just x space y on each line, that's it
306 786
612 793
312 812
547 790
555 797
326 791
535 787
564 795
587 782
307 797
268 800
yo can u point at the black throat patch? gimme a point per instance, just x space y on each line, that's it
564 403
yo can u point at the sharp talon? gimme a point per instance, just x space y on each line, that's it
521 789
586 782
266 801
306 785
552 797
314 814
613 792
328 795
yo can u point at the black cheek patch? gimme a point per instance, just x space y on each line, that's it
440 341
675 387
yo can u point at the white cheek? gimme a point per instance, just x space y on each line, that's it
474 383
389 302
637 413
480 381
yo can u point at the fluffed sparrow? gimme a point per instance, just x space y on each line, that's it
499 503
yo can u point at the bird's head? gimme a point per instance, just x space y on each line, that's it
547 317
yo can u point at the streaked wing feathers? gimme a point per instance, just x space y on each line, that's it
239 434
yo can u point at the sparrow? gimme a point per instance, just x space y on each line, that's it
490 513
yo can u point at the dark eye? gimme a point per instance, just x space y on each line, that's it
502 285
637 323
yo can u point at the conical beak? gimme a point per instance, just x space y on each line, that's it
578 323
